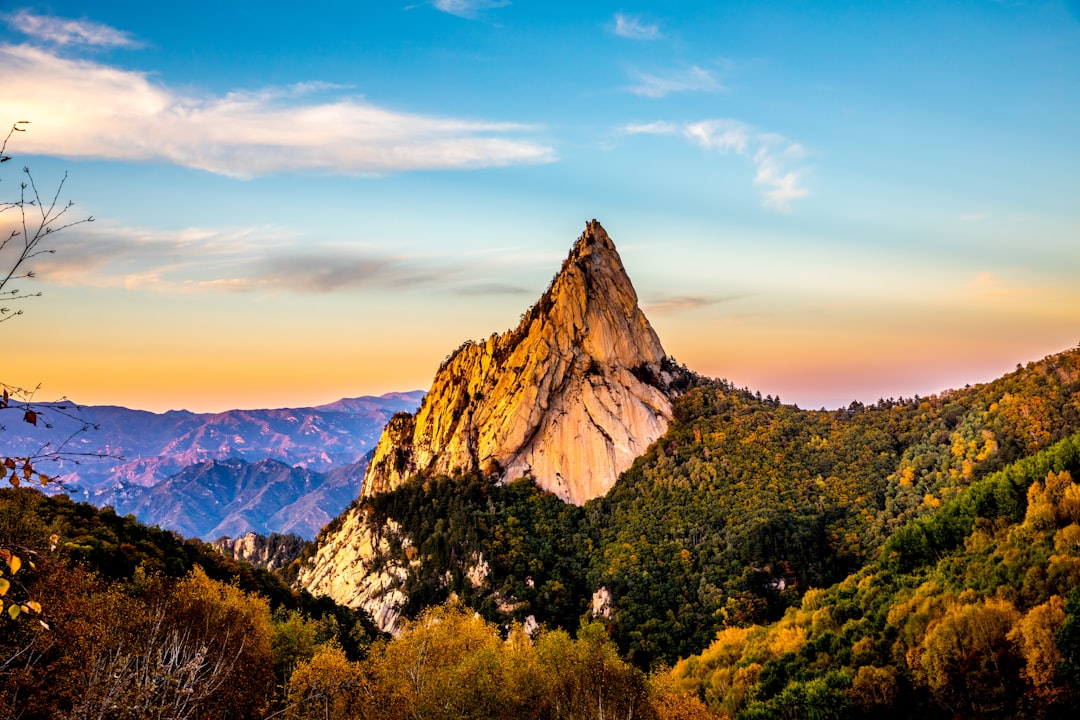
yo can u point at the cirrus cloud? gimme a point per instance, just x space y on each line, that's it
658 127
240 260
683 303
63 31
86 109
692 79
633 28
468 9
492 288
777 160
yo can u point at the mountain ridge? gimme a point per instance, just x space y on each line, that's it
155 446
233 497
275 471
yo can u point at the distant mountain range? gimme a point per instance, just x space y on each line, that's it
211 474
234 497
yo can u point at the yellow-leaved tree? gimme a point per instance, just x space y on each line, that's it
450 663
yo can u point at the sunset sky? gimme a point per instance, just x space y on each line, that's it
295 203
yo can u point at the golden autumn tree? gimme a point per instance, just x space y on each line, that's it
451 664
194 649
1034 636
327 686
444 664
966 659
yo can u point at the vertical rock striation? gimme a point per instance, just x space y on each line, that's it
570 397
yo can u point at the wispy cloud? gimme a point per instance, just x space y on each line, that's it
693 79
62 31
194 260
652 128
199 260
683 303
777 161
775 158
633 28
492 289
332 270
469 9
86 109
122 257
723 135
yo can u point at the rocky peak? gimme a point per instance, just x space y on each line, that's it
571 396
592 307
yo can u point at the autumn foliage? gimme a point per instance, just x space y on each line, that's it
133 634
981 627
450 663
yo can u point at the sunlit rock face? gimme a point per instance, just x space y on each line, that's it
342 569
272 552
570 397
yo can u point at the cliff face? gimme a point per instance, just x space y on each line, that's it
344 569
569 397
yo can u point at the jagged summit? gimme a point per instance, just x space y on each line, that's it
571 396
591 294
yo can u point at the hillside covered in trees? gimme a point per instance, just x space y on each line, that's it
747 503
973 611
916 556
739 509
117 620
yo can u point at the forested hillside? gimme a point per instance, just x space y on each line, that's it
918 556
730 517
746 503
113 619
971 612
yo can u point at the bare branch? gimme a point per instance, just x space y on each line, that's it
33 231
51 217
14 129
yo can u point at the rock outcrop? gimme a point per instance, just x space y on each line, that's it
570 397
272 551
343 568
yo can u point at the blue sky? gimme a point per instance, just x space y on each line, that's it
825 201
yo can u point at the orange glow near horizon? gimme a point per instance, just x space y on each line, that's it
811 365
156 351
